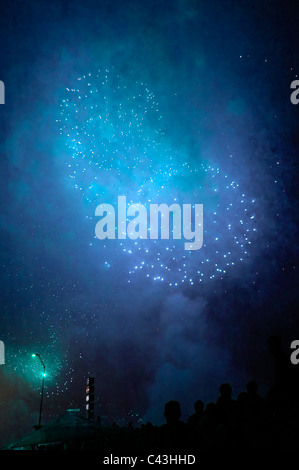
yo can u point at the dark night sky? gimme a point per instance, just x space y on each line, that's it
221 74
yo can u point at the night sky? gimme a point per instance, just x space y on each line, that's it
160 101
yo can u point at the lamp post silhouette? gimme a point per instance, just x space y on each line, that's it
42 392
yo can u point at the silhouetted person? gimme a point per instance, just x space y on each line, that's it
207 426
172 413
250 404
199 410
256 402
211 411
227 418
173 434
226 406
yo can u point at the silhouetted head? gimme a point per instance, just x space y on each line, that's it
211 410
274 344
199 406
225 390
172 411
242 398
252 387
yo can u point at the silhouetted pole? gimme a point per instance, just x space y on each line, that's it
42 392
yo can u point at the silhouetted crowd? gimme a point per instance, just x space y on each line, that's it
246 423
